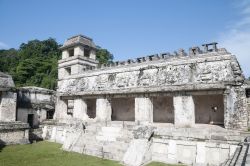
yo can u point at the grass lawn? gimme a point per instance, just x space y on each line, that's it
49 154
161 164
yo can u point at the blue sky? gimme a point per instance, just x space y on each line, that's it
131 28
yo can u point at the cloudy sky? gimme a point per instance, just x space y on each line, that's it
131 28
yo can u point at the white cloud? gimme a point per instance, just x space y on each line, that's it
237 38
3 45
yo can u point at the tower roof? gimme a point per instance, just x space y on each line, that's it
78 40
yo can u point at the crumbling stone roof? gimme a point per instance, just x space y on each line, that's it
35 89
6 81
36 97
17 125
78 40
210 68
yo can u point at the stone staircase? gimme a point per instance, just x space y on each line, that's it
109 142
241 156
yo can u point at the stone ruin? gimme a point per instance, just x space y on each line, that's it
23 111
35 105
188 108
11 131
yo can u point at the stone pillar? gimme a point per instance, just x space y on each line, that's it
61 109
80 109
103 110
235 108
143 110
8 106
184 111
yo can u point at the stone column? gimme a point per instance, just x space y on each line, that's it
8 106
60 109
103 110
235 108
143 110
80 109
184 110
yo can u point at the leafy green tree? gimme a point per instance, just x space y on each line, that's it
104 56
8 60
35 62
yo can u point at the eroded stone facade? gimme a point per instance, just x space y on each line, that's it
11 131
114 110
35 105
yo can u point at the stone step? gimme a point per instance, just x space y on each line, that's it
242 155
111 129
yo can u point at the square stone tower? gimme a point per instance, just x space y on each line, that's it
78 55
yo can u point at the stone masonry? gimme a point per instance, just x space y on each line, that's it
11 131
171 107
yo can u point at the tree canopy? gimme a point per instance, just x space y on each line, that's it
35 62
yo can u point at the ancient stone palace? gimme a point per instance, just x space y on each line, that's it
181 108
190 108
205 86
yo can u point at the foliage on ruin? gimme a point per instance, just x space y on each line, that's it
104 56
35 62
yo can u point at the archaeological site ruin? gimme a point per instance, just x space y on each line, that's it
189 108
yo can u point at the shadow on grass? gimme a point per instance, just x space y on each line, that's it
2 145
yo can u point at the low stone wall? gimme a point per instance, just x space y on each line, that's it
191 152
14 133
202 145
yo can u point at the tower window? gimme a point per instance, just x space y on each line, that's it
68 70
86 53
71 52
248 93
70 107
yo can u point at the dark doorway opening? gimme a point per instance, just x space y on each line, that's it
91 108
163 109
31 120
50 114
123 109
209 109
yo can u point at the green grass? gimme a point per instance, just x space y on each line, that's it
161 164
49 154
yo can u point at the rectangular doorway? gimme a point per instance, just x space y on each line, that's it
31 120
163 109
209 109
123 109
91 108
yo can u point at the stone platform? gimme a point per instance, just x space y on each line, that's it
14 133
134 144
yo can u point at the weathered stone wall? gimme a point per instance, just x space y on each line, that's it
206 71
8 98
14 133
236 113
176 75
36 101
191 152
8 106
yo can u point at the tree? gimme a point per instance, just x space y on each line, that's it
104 56
8 59
35 62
